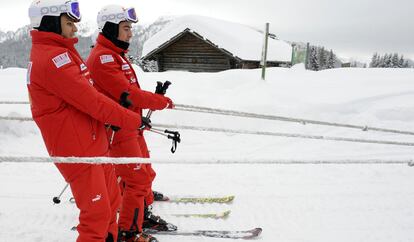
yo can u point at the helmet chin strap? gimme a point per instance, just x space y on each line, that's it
111 32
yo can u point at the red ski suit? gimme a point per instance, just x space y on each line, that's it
113 75
70 114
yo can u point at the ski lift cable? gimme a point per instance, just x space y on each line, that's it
234 131
288 135
191 108
192 161
199 109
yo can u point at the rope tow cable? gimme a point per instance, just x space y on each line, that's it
233 131
190 108
289 135
134 160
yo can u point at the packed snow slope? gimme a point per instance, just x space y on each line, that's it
306 203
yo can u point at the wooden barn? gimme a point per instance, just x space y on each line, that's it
202 44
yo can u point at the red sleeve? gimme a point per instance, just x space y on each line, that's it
112 80
147 100
67 83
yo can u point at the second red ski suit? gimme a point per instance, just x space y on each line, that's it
113 75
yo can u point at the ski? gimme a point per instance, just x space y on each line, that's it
222 215
191 199
225 234
224 199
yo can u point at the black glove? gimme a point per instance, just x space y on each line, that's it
124 101
162 87
145 123
115 128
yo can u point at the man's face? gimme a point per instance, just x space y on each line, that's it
68 27
125 31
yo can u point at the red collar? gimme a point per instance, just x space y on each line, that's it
48 38
102 40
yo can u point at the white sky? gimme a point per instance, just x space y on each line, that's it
352 27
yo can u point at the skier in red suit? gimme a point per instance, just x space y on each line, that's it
114 75
71 113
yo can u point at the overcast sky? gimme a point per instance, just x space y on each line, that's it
352 28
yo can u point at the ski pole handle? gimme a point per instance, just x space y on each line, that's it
172 135
162 89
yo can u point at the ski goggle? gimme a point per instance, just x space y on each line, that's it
128 14
74 11
71 8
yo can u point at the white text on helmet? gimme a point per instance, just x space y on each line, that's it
53 9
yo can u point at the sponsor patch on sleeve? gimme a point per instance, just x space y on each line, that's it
29 72
61 60
106 59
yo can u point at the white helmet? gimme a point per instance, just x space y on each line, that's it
40 8
115 14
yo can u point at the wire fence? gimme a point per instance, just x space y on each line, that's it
249 132
191 108
135 160
199 109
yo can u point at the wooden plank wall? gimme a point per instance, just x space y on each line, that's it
192 54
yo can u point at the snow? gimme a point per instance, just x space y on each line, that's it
295 203
242 41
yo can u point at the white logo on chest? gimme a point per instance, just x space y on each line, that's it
125 67
132 80
83 67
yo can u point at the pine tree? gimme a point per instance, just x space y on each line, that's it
380 62
331 60
313 59
374 61
387 61
322 58
394 61
406 65
401 62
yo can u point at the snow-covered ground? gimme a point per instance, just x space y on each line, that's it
306 203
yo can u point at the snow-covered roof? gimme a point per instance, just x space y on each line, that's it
240 40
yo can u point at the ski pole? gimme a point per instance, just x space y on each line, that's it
125 102
56 200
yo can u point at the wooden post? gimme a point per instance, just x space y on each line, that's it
264 52
293 55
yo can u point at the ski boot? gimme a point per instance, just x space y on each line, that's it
158 196
155 223
134 236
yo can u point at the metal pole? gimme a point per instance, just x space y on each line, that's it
264 54
56 200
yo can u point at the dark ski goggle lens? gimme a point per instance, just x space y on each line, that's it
132 15
75 11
